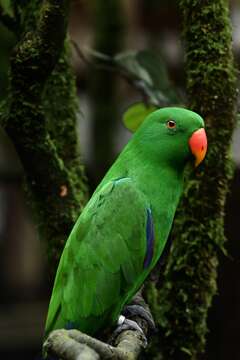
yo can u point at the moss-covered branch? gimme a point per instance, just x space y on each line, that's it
60 104
190 276
54 181
66 345
74 345
38 51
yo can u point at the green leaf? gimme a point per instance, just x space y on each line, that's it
136 114
186 351
147 72
6 4
129 62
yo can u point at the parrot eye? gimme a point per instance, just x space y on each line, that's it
171 124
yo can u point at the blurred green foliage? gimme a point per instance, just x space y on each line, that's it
147 71
7 6
7 41
136 114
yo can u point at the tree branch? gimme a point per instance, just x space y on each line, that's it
53 185
100 61
37 54
62 344
52 27
71 344
198 233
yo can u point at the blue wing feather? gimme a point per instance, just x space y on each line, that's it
150 239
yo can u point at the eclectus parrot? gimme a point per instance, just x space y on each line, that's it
121 233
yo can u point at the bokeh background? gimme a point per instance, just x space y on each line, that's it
103 97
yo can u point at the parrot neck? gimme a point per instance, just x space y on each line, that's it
162 186
159 181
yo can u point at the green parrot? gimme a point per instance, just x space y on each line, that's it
121 234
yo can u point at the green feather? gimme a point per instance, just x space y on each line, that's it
102 260
102 265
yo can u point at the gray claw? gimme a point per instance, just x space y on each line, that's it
127 324
138 310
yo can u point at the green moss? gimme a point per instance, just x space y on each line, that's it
60 109
40 119
61 106
26 13
191 273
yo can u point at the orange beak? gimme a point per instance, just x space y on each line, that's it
198 145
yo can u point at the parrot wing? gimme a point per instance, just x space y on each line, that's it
107 251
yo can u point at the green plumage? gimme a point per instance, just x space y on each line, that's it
104 260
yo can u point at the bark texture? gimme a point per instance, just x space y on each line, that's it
74 345
181 305
40 119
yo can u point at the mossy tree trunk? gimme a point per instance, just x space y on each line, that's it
40 119
191 273
35 120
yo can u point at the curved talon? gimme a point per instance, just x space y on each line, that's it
121 320
138 310
131 325
127 324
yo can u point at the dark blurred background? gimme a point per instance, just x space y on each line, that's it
103 96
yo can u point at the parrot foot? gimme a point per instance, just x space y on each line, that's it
131 311
127 324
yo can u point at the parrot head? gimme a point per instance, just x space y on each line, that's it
174 135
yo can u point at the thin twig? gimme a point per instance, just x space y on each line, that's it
109 64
